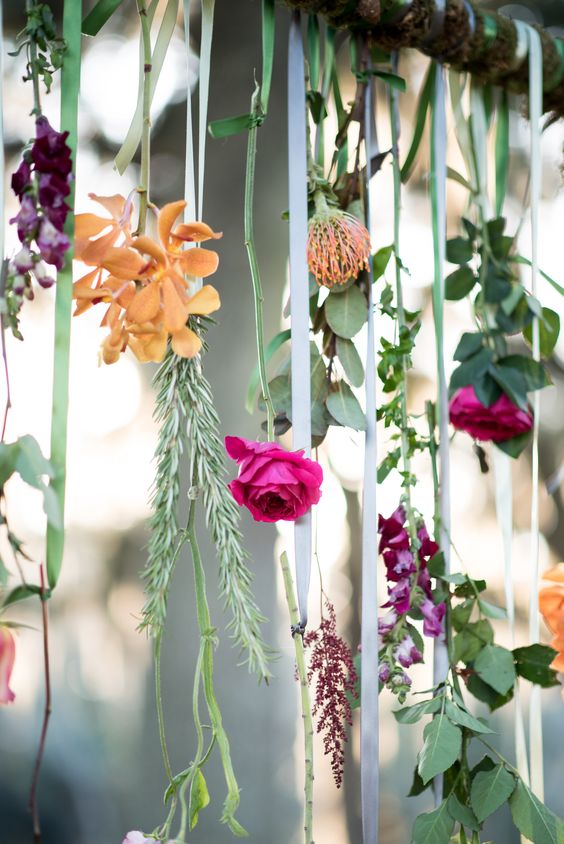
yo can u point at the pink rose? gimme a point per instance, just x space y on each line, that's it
7 657
272 483
500 422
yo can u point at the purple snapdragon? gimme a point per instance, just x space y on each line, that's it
409 594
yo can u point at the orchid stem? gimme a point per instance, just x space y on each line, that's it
143 189
46 713
159 705
304 696
253 262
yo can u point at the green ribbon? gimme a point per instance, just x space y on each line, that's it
70 84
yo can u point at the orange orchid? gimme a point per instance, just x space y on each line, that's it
551 604
88 226
147 290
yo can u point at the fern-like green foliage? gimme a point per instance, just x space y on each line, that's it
189 429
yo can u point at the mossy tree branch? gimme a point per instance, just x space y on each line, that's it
465 37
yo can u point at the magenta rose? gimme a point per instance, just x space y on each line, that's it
500 422
272 483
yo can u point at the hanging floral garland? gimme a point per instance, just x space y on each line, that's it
146 267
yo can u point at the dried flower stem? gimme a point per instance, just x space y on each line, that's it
253 262
143 189
304 697
32 803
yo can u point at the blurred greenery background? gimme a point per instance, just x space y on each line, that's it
103 773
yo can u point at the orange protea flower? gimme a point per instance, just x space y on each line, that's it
146 287
338 245
551 604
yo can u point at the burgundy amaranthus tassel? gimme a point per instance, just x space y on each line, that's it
332 663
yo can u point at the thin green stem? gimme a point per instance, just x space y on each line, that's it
406 461
160 714
499 756
207 634
32 57
143 189
304 697
253 261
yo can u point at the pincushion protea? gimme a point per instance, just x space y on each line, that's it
338 245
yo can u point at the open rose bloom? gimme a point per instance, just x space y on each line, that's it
273 483
502 421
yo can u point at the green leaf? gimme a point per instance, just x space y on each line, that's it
199 797
471 370
459 716
100 14
512 383
491 610
459 250
533 819
495 666
280 392
458 177
31 464
535 375
412 714
533 663
418 786
350 361
346 312
487 390
380 261
254 380
461 614
515 445
433 827
472 638
469 344
497 284
549 329
227 126
391 79
317 106
343 406
469 588
20 593
459 283
420 120
8 458
4 573
442 742
486 694
436 565
490 789
463 814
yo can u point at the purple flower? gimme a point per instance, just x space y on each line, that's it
402 679
393 534
399 596
398 564
21 178
428 547
433 617
424 580
52 244
384 672
23 261
26 219
406 653
42 276
52 193
50 153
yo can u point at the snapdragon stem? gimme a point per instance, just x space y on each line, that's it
143 189
46 712
33 67
304 697
253 262
406 461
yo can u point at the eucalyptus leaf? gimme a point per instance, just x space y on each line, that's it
346 312
350 361
490 789
343 406
380 261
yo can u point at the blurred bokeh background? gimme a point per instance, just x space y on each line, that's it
103 773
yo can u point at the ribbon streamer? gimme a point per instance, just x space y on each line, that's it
189 173
535 114
438 201
369 762
208 7
299 292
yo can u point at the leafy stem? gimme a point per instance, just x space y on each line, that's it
43 595
304 697
32 65
253 261
143 189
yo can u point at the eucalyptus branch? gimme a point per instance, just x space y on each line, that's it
304 697
253 262
143 189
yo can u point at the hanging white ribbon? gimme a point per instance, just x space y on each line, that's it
208 7
189 173
535 114
369 761
299 292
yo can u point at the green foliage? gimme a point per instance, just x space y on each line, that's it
433 827
533 819
490 790
24 457
199 797
441 747
346 312
45 49
343 406
533 663
495 666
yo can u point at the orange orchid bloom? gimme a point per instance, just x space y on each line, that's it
146 289
551 605
88 226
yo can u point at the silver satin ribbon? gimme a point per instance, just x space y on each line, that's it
189 175
299 292
369 762
440 653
